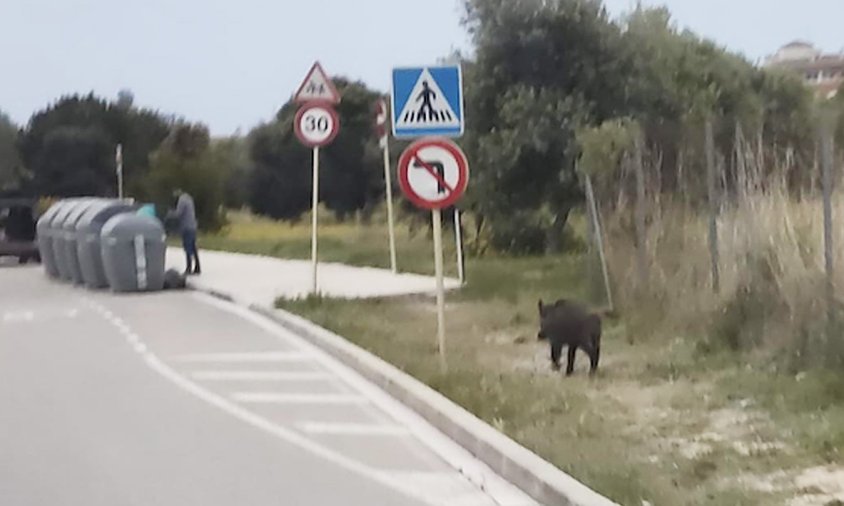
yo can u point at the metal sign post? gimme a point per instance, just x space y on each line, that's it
433 174
316 125
389 197
436 216
383 139
118 158
458 243
314 221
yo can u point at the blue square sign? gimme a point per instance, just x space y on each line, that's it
428 101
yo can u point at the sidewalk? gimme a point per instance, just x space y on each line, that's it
261 280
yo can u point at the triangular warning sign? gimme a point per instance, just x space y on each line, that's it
317 86
427 107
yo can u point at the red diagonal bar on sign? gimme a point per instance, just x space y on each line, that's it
433 172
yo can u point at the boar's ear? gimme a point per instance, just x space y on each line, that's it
541 306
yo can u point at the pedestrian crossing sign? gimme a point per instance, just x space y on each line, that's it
428 101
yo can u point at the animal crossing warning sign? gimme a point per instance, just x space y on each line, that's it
433 173
317 87
428 101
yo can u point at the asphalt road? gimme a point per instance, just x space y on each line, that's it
176 399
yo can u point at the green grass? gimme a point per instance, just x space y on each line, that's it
628 432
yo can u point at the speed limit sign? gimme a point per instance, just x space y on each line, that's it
317 124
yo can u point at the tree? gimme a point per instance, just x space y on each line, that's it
235 150
69 147
75 161
280 183
541 71
350 169
10 162
188 161
679 80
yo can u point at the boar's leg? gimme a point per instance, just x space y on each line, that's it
594 351
570 366
556 351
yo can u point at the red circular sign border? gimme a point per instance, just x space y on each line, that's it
297 127
462 167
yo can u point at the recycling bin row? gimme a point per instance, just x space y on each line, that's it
102 243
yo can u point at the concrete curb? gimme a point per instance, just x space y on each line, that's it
513 462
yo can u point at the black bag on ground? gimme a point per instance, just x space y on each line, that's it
174 280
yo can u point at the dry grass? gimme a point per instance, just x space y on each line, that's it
772 274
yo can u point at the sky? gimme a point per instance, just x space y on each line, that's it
232 63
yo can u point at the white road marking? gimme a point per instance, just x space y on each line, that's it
20 316
260 376
276 398
278 431
354 429
121 326
250 357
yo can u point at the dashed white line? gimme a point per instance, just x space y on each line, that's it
276 398
260 376
354 429
249 357
23 316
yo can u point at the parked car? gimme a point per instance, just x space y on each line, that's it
17 230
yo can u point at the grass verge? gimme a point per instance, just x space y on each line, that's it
660 423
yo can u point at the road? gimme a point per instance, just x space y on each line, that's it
178 399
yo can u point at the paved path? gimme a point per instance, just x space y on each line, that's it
261 280
177 399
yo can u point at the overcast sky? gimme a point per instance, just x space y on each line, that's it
232 63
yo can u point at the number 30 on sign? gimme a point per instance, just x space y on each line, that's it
316 124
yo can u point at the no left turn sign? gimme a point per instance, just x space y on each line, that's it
433 173
316 124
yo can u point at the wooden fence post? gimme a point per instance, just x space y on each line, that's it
639 218
714 206
827 162
598 237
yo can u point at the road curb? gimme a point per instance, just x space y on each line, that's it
513 462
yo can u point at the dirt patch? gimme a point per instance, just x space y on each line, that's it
816 486
826 483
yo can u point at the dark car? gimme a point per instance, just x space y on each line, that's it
17 230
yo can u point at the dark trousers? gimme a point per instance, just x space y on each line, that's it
191 253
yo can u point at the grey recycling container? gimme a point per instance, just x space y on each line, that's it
133 248
69 237
45 241
64 239
55 235
88 245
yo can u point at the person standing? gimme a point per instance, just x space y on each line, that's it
185 216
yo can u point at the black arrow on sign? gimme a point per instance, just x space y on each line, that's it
437 170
